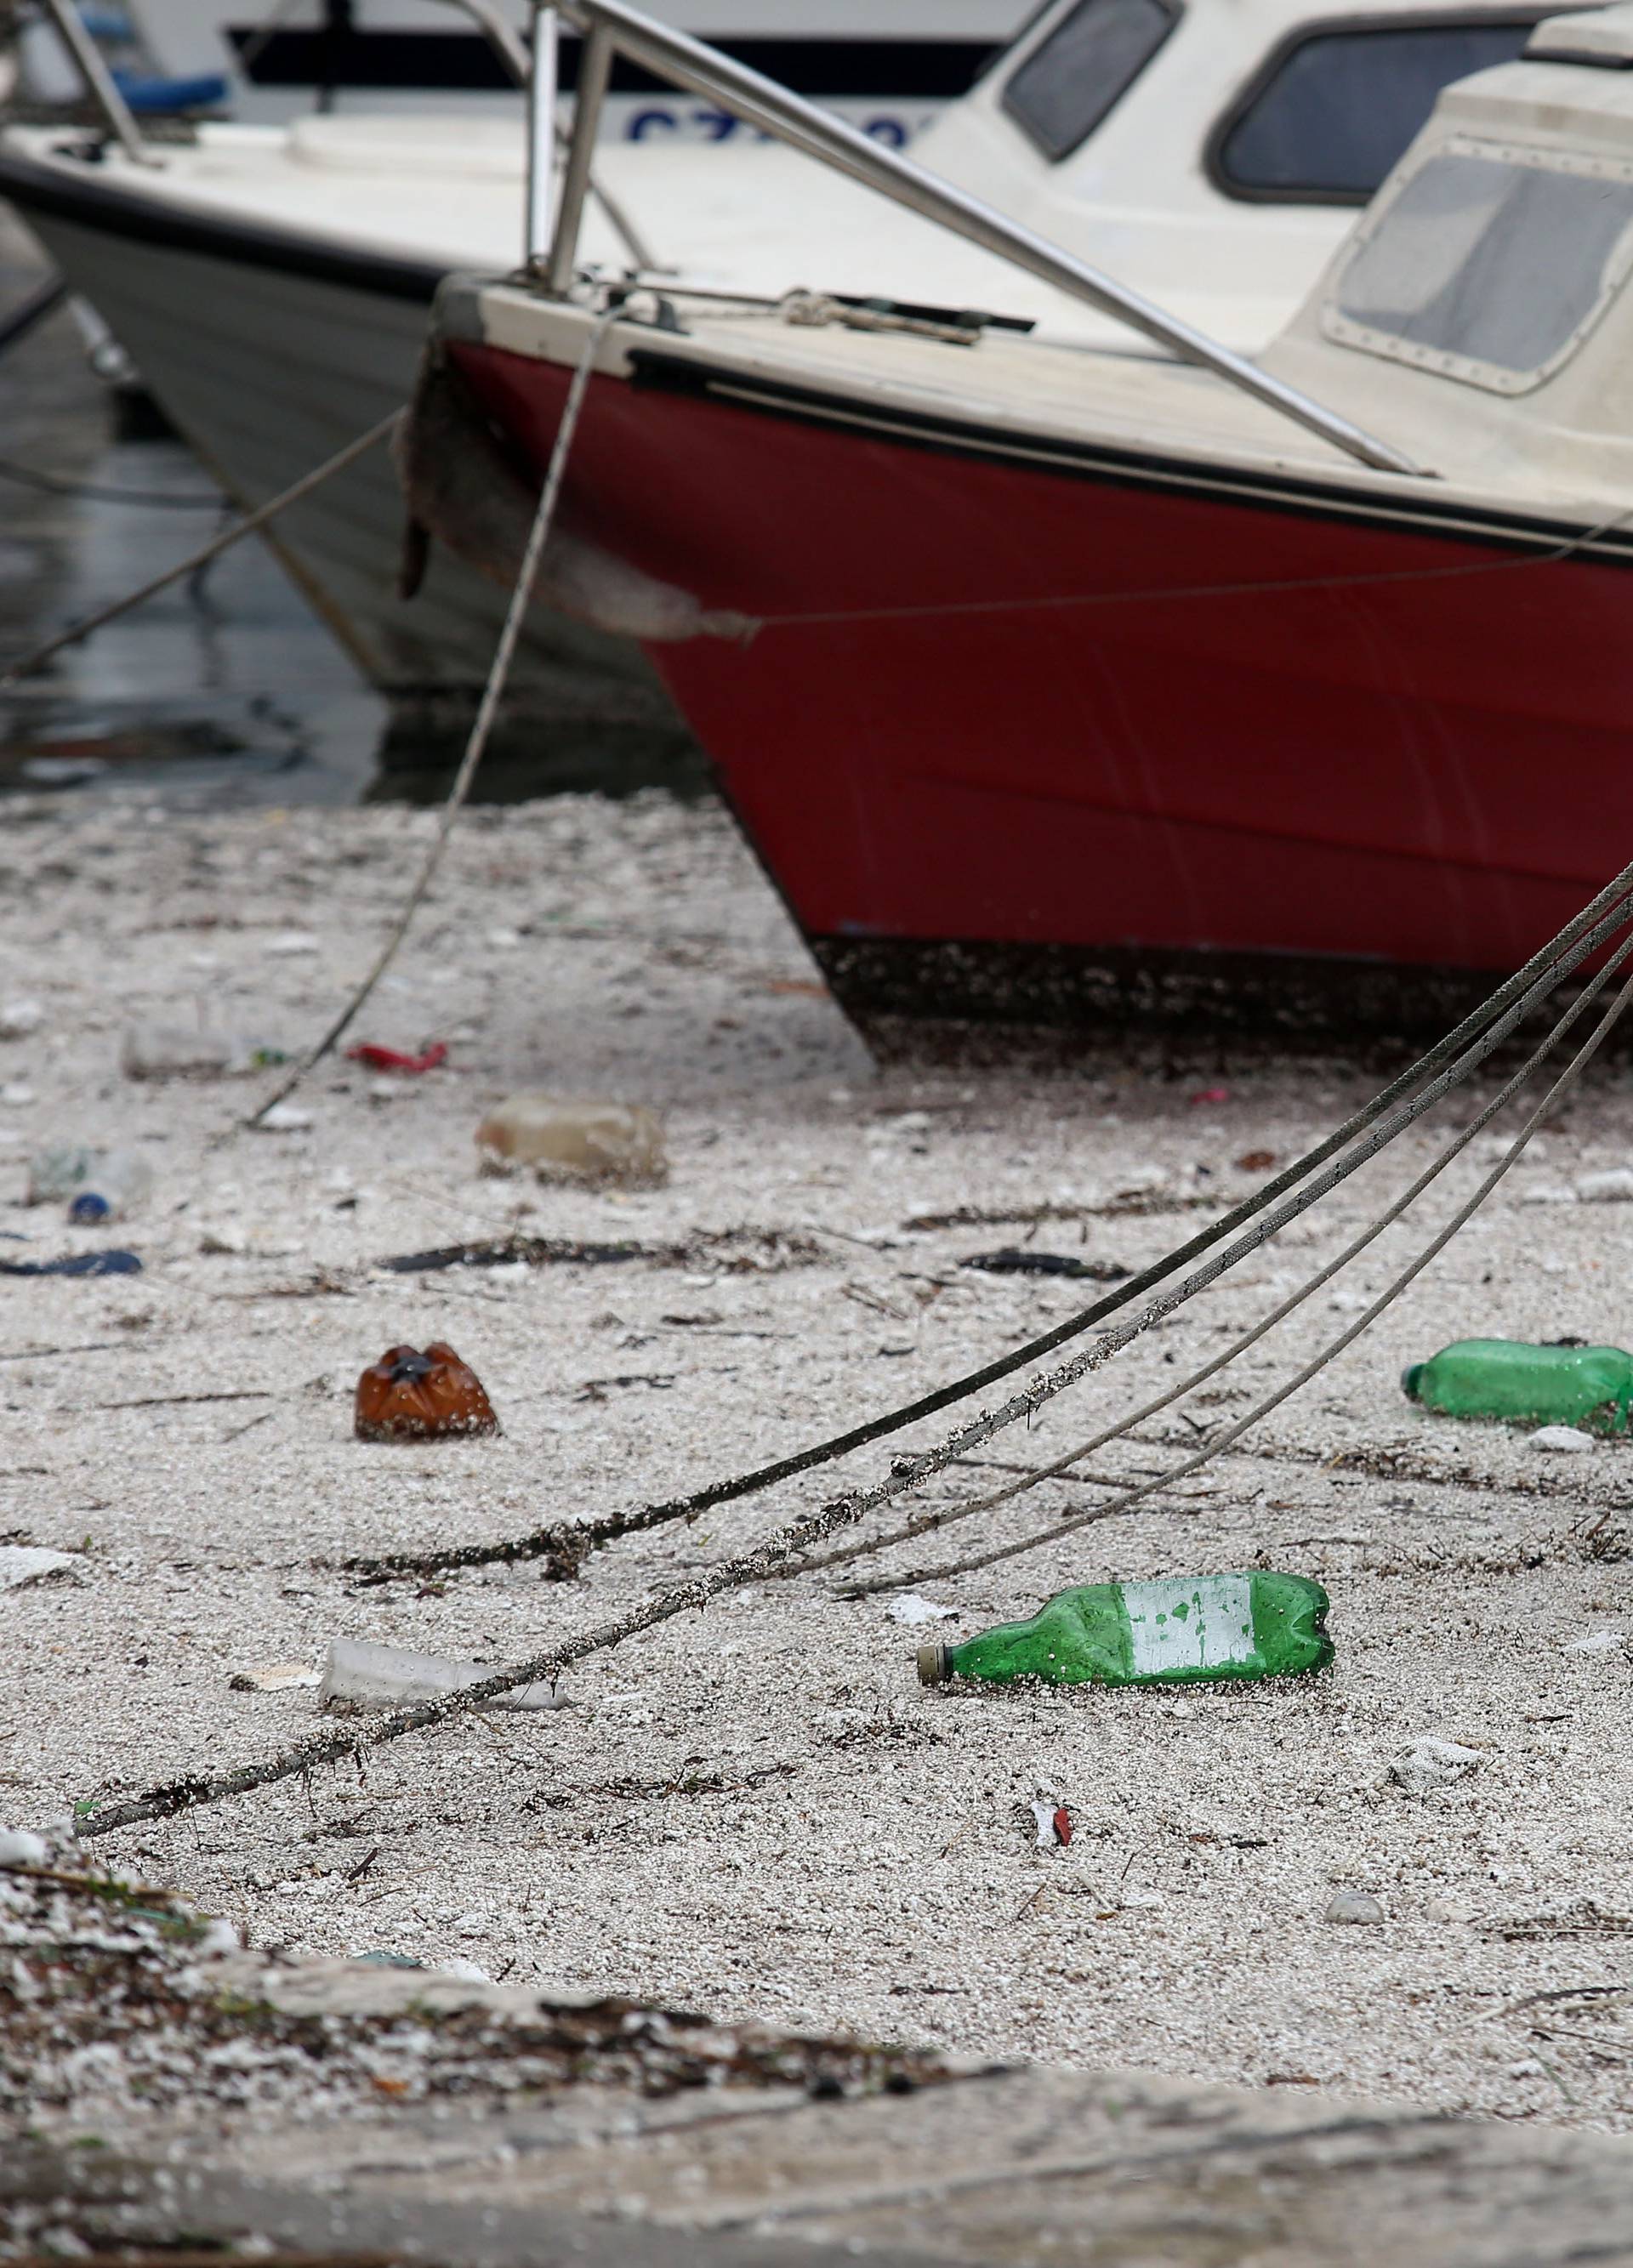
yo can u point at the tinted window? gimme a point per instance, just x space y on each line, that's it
1497 264
1093 56
1339 107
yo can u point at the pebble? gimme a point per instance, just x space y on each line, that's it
31 1563
1613 1186
286 1118
291 944
1605 1641
63 771
18 1019
20 1848
1352 1905
911 1608
274 1677
1430 1764
1561 1440
1446 1910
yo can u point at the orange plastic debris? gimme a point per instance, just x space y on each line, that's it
410 1396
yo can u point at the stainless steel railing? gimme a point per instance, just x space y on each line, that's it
609 26
540 86
86 58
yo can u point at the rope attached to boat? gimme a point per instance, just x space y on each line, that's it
790 1547
1283 586
1217 1249
247 526
1126 1498
498 673
1260 1217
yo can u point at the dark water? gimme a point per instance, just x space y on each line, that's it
224 692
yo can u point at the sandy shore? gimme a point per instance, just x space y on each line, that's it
757 1811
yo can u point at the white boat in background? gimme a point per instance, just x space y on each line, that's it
272 282
887 65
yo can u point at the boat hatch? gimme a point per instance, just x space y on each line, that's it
1081 67
1489 262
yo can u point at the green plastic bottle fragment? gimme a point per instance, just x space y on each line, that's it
1177 1629
1585 1386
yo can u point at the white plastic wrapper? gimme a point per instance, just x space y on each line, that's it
359 1675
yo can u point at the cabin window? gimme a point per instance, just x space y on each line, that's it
1489 264
1336 107
1078 74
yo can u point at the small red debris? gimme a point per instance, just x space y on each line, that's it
1211 1094
410 1397
390 1059
1051 1820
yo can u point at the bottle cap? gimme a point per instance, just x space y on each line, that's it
934 1665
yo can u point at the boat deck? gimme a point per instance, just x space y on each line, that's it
1028 396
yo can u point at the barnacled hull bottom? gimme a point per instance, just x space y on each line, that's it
976 998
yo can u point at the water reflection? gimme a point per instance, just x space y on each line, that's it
225 693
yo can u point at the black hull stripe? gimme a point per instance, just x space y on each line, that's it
462 63
1104 465
91 204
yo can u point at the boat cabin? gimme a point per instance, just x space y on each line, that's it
1211 115
1478 313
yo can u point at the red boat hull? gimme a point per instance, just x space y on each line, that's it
1071 730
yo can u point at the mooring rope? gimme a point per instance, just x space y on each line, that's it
1492 1023
477 741
206 552
1186 594
1124 1495
795 1541
60 484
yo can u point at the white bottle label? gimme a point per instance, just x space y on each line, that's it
1195 1622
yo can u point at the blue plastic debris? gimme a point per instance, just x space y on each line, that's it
81 1263
150 96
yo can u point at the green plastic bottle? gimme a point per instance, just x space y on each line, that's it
1177 1629
1585 1386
